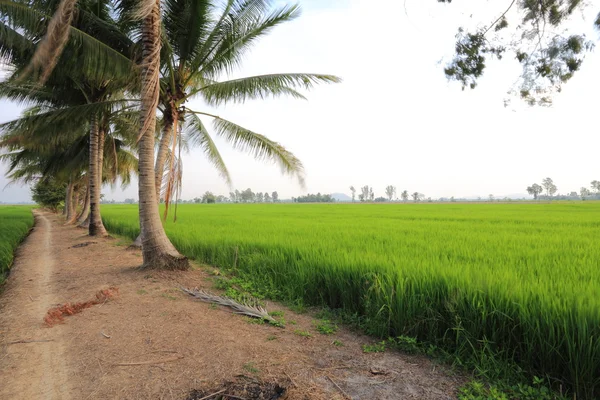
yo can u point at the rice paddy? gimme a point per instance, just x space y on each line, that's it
519 282
15 222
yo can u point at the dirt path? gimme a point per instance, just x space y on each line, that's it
33 370
154 342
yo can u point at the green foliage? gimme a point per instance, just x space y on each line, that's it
374 348
549 57
49 193
15 222
254 321
338 343
277 313
302 333
326 327
483 282
470 58
315 198
476 390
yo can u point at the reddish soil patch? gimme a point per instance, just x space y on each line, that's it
155 342
56 315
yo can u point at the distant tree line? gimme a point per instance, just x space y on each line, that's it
367 194
550 189
248 196
314 198
244 196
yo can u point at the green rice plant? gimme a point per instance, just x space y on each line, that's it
15 223
517 282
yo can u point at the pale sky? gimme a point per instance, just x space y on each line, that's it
395 119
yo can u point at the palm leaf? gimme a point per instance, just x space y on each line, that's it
259 146
198 135
95 58
68 116
185 25
27 94
236 37
13 45
259 87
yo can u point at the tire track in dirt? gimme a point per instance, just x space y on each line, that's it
36 370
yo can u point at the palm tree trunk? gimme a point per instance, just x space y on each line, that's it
72 215
101 142
68 209
96 227
159 167
163 150
157 250
85 210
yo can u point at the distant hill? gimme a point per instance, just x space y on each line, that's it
341 197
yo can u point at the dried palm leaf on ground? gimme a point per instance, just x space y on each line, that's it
251 310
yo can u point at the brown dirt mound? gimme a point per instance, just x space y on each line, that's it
56 315
253 390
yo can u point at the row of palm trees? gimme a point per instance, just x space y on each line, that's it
106 85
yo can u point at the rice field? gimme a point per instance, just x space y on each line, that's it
517 281
15 222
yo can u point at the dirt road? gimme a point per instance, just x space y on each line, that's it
155 342
34 370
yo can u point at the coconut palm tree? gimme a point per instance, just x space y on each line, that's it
88 86
31 156
223 43
59 33
200 46
157 249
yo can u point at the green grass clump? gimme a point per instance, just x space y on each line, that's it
515 282
326 327
302 333
15 223
374 348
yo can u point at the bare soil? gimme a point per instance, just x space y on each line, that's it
152 341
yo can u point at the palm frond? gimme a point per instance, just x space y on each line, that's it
95 58
259 146
250 308
25 94
261 86
13 45
51 46
59 120
198 135
186 23
236 37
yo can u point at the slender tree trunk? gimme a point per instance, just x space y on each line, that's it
72 214
68 195
85 210
157 250
101 142
96 227
86 222
159 166
163 150
67 210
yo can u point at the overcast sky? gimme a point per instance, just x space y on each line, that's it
396 119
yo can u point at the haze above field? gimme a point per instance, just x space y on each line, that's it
395 119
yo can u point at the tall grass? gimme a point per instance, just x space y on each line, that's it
516 281
15 222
